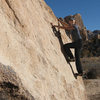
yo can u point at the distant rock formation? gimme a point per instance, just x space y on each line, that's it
92 46
33 66
90 34
95 33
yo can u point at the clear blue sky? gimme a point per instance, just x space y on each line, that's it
89 10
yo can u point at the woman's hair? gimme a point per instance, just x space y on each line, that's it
67 18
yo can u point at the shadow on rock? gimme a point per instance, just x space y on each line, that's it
58 35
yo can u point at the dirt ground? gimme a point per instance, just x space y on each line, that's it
91 67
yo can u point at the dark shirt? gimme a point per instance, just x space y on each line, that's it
75 34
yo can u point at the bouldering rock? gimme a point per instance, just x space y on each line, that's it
33 65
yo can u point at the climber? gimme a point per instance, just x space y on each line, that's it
76 42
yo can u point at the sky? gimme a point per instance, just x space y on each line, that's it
89 10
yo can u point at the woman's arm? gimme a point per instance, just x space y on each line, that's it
63 23
64 27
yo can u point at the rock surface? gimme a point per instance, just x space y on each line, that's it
11 87
33 66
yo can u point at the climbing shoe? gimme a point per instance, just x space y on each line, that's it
78 74
71 59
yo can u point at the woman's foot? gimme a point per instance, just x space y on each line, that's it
78 74
71 59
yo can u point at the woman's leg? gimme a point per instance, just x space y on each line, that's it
78 62
67 49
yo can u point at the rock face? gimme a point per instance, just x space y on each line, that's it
11 87
33 66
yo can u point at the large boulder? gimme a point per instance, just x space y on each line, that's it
33 66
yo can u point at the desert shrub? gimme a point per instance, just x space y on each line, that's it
92 74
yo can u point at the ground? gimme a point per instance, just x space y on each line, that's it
92 84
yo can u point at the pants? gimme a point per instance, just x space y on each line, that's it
77 46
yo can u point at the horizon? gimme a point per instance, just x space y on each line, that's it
89 11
